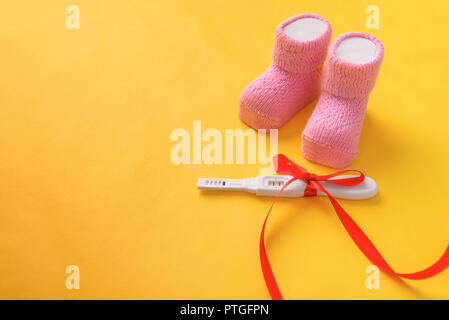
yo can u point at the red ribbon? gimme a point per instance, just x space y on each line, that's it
284 165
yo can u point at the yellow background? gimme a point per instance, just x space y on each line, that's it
85 171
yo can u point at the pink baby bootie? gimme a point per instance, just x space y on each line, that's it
332 133
294 77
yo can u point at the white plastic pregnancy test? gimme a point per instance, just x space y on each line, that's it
270 186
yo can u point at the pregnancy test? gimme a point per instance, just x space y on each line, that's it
270 186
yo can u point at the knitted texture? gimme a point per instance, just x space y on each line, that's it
333 130
291 81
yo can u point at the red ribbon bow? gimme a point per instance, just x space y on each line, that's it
284 165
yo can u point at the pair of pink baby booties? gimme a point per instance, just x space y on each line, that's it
296 77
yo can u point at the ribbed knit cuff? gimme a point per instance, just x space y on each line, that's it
300 56
350 80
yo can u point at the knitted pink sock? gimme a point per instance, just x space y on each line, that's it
332 133
294 77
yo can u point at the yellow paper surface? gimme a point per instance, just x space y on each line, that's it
86 177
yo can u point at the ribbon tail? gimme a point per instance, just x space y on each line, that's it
268 274
360 238
434 269
369 250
